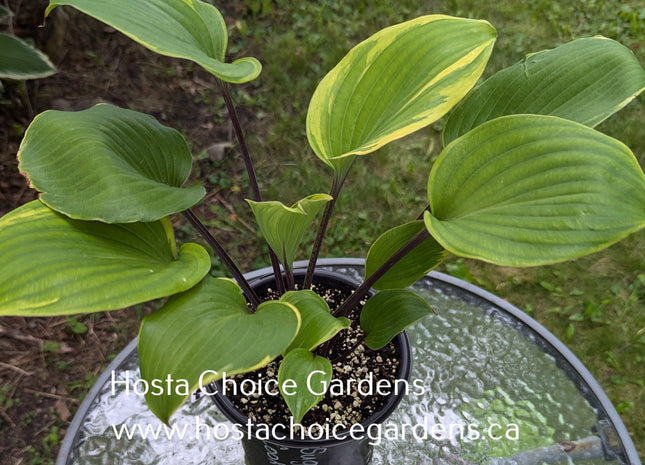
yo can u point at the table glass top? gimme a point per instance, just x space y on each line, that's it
485 389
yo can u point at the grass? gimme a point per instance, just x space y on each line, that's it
595 304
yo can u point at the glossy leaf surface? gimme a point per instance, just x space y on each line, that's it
529 190
19 60
387 313
284 227
189 29
310 374
412 266
207 331
53 265
586 80
108 164
318 324
399 80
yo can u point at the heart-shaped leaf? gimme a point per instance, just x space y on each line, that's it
53 265
19 60
528 190
400 80
208 331
318 324
586 80
309 374
108 164
412 266
387 313
188 29
284 227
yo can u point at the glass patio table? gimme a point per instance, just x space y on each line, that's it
489 386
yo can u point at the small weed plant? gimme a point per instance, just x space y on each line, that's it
523 179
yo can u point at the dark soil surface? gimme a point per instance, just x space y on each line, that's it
48 364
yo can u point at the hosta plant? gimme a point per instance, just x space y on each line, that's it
523 180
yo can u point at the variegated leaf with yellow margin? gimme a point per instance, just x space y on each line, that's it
401 79
284 227
527 190
208 331
586 80
318 324
108 164
54 265
189 29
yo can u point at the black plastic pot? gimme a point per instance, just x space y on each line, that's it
344 447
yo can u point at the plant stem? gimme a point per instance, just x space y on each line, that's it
346 307
248 162
369 281
315 251
334 192
225 257
427 209
277 272
288 273
239 134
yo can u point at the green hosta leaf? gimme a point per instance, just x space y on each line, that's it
411 267
399 80
318 324
284 227
311 376
19 60
586 80
208 331
388 313
189 29
528 190
53 265
108 164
